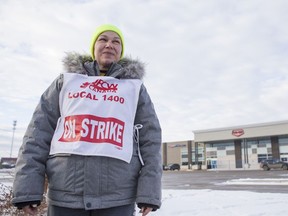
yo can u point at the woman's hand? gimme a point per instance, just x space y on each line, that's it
30 209
145 210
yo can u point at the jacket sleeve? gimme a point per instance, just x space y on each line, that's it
149 182
29 177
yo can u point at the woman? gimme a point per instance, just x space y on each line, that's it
96 136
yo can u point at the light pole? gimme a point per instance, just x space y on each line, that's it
13 131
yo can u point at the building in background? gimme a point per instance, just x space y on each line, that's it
185 153
240 147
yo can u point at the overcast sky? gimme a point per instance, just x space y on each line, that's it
209 63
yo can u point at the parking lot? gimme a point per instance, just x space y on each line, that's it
273 181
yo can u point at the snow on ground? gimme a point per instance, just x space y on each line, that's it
221 203
226 203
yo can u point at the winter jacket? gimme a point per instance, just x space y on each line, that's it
89 182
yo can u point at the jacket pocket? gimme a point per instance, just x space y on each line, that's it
122 175
63 172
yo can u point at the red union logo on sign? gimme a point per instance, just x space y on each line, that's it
100 85
237 132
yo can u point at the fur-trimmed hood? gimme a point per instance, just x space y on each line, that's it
126 68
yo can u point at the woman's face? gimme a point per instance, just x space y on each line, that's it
107 49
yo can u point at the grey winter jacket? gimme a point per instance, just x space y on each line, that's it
89 182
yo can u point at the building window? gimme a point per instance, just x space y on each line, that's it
283 147
264 142
230 152
220 144
283 140
269 150
261 145
211 154
263 156
221 147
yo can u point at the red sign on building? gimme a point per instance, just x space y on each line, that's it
237 132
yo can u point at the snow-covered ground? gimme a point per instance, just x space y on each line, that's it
223 203
226 203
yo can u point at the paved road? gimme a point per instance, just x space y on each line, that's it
6 175
200 179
